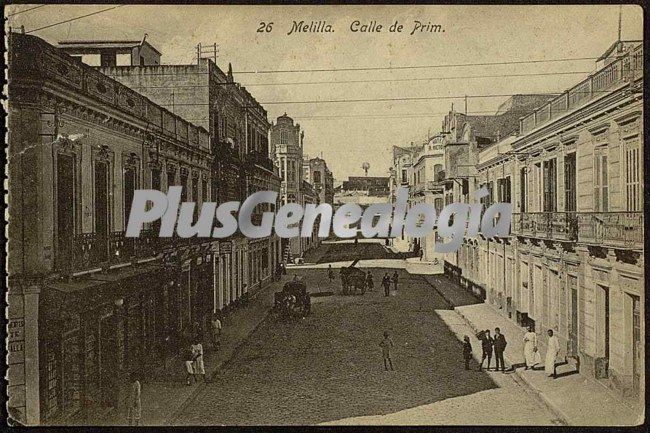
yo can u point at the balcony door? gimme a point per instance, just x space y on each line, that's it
65 208
573 329
102 223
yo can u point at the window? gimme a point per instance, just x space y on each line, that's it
101 209
601 190
436 172
130 184
317 177
171 177
632 176
550 186
65 207
184 187
155 185
523 184
404 176
538 197
284 137
503 190
570 197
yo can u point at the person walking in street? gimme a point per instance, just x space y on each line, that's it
530 347
552 350
421 253
499 347
395 278
486 345
467 351
216 330
386 347
330 273
370 282
134 404
386 283
197 360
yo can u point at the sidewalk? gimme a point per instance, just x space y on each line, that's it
162 400
578 399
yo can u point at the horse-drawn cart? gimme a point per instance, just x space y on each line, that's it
293 302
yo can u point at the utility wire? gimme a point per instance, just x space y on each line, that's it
390 80
381 80
25 10
75 19
381 68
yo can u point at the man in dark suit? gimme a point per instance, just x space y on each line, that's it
499 347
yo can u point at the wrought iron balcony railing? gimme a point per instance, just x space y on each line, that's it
615 229
560 226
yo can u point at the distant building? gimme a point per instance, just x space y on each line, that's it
363 190
316 172
287 149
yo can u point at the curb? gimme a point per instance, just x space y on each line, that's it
218 367
553 407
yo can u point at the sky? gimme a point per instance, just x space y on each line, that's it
350 133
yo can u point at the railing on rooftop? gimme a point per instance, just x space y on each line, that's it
622 70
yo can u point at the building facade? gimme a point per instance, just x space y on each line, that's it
574 261
80 318
316 172
287 141
206 95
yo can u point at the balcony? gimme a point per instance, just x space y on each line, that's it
611 229
256 158
559 226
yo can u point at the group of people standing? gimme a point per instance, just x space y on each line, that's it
497 344
489 345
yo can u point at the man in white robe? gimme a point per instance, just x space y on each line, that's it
552 350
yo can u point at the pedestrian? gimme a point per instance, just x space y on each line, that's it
197 360
216 330
467 351
499 347
552 350
330 273
486 345
395 277
530 347
386 346
370 282
421 253
386 283
295 278
134 404
189 366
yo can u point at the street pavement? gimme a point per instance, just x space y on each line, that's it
327 368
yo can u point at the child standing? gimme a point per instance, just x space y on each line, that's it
386 346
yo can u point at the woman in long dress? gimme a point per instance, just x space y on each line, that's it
197 354
530 347
134 403
552 350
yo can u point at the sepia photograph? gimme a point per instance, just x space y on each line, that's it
324 215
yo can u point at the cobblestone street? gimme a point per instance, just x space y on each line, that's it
328 368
